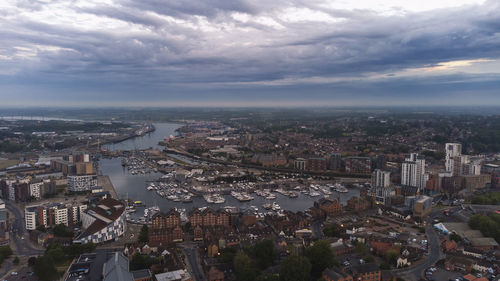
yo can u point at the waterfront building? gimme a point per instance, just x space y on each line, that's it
328 206
165 228
63 166
84 168
335 161
413 171
358 165
300 164
317 164
75 164
81 183
209 217
77 157
103 221
381 178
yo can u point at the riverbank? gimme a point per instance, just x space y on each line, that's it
107 185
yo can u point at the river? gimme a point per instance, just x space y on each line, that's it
134 186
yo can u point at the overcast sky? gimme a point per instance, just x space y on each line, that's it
249 53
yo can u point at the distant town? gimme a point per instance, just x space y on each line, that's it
251 195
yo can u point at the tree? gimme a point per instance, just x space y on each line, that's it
5 252
61 230
45 269
321 256
489 225
16 261
331 231
140 261
391 256
455 237
360 248
56 254
265 253
385 266
241 261
144 234
245 271
295 268
41 228
32 261
267 277
227 254
368 258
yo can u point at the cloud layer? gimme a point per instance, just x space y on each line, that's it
154 52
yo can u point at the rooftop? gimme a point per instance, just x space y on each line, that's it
89 267
177 275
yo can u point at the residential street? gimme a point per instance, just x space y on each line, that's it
19 237
191 251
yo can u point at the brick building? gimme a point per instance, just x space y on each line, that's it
165 228
328 206
367 271
316 164
209 217
358 204
358 165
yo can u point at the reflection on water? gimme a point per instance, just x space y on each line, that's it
162 131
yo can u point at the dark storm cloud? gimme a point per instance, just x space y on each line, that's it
163 48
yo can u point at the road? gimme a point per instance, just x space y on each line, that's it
317 229
416 272
7 266
191 252
18 236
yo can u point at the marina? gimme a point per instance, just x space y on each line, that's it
157 189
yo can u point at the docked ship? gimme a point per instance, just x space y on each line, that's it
340 188
187 199
276 207
214 198
325 190
241 196
314 193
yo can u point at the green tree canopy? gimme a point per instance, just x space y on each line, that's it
295 268
391 256
61 230
331 231
144 234
264 253
245 270
321 256
45 269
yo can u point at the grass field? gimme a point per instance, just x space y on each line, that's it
7 163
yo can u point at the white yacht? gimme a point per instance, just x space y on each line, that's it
276 207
